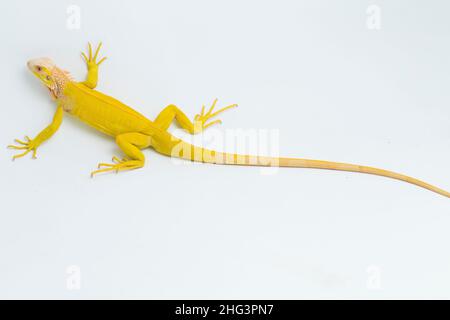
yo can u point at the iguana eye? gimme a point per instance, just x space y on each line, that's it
38 68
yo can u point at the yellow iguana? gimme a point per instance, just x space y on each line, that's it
134 132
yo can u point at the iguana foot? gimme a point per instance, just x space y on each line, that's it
91 61
118 165
28 146
201 119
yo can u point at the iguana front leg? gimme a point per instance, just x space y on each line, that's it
131 144
92 66
171 112
33 144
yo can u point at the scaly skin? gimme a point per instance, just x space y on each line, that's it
134 132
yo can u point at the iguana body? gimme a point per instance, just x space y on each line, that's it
134 132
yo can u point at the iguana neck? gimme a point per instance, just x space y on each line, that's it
61 79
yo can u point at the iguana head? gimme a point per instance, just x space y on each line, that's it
50 75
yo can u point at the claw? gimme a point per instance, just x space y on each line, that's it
28 146
201 119
222 110
21 142
16 147
101 60
84 57
212 107
97 50
105 170
212 123
99 171
115 159
119 165
104 165
21 154
92 59
90 51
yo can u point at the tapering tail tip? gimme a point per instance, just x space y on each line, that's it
328 165
199 154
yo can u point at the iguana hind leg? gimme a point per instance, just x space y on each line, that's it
131 144
171 112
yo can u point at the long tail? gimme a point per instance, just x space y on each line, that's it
194 153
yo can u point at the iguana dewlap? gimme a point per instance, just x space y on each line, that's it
134 132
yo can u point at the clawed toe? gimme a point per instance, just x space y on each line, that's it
91 59
200 120
118 165
28 146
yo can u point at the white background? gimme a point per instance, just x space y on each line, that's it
314 71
